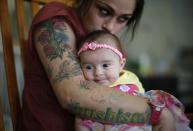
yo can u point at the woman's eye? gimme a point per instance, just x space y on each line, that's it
123 20
103 11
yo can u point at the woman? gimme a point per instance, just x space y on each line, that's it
54 83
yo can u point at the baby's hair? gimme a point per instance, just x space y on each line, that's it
95 35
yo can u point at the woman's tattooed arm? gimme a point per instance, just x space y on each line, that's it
55 44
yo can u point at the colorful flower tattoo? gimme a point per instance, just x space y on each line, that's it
54 39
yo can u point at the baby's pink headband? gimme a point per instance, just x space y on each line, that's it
94 45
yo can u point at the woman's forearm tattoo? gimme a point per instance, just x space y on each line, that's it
109 116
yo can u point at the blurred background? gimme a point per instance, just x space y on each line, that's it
161 53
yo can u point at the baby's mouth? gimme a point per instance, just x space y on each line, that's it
102 82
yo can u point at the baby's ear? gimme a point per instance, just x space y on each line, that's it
122 63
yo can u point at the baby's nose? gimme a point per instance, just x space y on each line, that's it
98 72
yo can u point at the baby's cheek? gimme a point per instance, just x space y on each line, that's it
88 76
113 79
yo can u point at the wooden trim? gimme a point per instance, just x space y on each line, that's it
9 62
2 128
22 29
35 8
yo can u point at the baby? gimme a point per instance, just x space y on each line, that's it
102 60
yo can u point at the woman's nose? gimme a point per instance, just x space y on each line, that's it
109 25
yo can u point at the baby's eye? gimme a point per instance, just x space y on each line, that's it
88 67
106 65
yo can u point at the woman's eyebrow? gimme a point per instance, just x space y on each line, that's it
101 3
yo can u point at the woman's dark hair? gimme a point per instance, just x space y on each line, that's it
84 5
134 21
